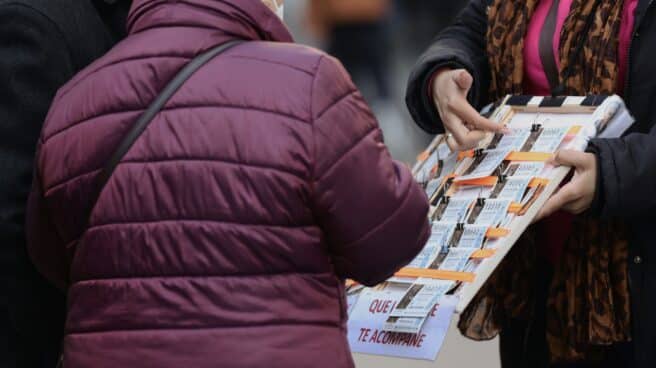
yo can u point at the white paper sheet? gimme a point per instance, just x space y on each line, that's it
366 334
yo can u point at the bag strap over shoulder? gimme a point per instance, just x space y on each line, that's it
147 117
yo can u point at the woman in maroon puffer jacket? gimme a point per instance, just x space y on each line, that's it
224 235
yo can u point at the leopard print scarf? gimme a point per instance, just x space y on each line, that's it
588 304
595 70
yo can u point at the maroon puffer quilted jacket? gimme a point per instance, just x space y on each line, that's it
224 236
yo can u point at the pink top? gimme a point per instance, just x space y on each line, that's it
555 230
535 79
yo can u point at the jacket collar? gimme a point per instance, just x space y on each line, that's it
244 19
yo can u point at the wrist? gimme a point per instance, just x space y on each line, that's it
433 79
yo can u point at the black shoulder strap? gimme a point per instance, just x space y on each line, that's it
144 120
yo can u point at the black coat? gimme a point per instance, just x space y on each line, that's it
43 43
627 184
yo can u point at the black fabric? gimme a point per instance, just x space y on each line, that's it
627 166
518 100
552 101
593 100
545 47
523 342
43 43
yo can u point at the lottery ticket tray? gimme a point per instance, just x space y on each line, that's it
593 107
593 116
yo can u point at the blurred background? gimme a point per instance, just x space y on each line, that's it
378 42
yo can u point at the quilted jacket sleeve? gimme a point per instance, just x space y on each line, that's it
373 214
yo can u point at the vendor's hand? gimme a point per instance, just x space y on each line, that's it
463 124
577 195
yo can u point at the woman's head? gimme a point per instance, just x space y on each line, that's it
277 6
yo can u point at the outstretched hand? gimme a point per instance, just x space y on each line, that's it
465 126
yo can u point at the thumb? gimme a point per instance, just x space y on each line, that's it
570 158
463 79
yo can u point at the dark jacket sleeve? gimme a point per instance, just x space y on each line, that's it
627 172
461 45
34 62
372 213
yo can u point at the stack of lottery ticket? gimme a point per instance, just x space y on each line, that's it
410 313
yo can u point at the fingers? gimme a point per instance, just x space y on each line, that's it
567 196
463 79
466 112
463 138
460 119
572 158
471 141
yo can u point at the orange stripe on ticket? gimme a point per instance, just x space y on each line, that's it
436 274
423 156
515 207
483 253
488 181
574 130
463 154
529 156
535 182
497 232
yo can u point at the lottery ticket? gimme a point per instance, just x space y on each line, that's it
513 188
443 150
530 169
471 265
436 262
441 233
432 186
512 141
449 164
507 221
472 237
529 195
440 163
493 212
452 209
485 164
427 168
550 139
471 191
421 297
456 259
411 325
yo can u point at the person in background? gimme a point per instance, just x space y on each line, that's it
43 43
224 236
357 33
591 295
